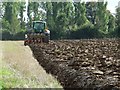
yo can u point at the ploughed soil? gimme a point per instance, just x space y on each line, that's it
85 64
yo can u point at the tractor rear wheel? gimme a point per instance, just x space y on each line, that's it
25 43
47 38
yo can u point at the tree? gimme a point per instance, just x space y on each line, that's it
15 24
11 17
91 8
102 17
21 10
64 18
80 14
35 6
111 23
118 17
29 14
118 22
8 11
49 17
69 15
33 12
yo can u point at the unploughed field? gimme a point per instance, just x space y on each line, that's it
86 64
18 68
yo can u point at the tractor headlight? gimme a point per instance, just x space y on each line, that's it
26 36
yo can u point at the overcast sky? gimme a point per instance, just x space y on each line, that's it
112 5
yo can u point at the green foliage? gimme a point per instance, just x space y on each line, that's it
5 24
63 18
10 20
118 17
80 14
21 10
20 35
87 31
102 18
6 35
50 21
33 13
111 23
117 31
15 25
11 25
8 11
91 11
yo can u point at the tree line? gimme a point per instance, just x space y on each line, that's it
65 20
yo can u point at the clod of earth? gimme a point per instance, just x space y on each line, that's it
82 64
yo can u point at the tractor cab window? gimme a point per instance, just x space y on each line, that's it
38 26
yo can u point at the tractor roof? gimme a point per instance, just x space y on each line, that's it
40 21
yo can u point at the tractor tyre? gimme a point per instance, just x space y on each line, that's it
47 38
25 43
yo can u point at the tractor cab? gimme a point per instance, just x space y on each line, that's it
39 26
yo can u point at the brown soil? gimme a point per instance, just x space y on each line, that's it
86 64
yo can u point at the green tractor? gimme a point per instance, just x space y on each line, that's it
38 34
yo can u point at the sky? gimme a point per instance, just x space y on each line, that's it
112 5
